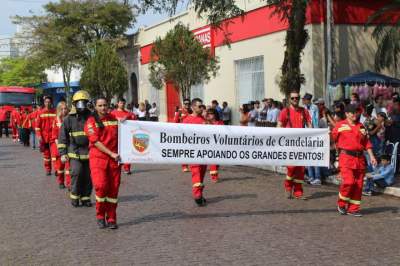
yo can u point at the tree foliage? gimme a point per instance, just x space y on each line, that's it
21 72
180 58
387 35
67 34
104 74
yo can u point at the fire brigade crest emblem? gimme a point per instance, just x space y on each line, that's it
140 141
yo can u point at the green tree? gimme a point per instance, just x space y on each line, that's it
181 59
67 34
104 74
21 72
387 35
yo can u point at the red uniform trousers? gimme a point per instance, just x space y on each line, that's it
106 178
15 134
45 149
126 167
295 179
198 173
214 172
350 190
62 169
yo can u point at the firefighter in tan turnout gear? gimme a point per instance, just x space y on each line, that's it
73 145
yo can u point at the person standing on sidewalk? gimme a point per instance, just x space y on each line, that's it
74 147
33 118
102 131
198 171
122 114
44 127
294 116
61 168
352 141
25 127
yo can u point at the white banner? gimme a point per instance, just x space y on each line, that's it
170 143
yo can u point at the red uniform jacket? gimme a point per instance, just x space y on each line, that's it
108 135
44 124
15 119
33 118
299 117
352 138
55 131
181 115
26 121
123 114
190 119
3 115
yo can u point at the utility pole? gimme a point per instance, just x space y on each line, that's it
329 47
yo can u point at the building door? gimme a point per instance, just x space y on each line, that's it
173 100
134 89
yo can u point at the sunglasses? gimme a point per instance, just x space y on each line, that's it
295 98
186 103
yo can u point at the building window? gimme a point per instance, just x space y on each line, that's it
249 79
197 91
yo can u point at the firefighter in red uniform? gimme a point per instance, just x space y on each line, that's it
61 168
44 127
212 118
179 118
25 127
294 116
102 131
351 140
33 118
122 114
198 171
15 120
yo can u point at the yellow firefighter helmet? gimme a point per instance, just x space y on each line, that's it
81 95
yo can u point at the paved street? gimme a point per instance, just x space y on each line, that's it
247 221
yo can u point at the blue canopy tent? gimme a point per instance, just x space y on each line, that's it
369 78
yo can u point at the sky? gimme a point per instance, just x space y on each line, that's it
9 8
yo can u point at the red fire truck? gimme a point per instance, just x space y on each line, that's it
11 97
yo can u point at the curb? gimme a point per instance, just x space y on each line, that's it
333 179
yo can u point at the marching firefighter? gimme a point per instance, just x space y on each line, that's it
122 114
44 127
15 121
198 171
212 118
351 140
102 131
179 117
294 116
73 146
61 168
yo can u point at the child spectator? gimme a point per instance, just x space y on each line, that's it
383 176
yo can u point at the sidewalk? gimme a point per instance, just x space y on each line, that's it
334 179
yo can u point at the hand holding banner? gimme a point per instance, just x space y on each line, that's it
170 143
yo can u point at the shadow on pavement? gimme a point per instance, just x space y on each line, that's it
136 198
170 216
148 170
322 194
230 197
235 179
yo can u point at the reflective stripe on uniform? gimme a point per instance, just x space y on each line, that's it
67 172
344 128
289 178
60 171
47 115
46 160
77 133
112 200
198 184
99 199
298 181
85 198
54 159
213 172
355 202
343 197
37 128
77 156
72 196
110 123
61 146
